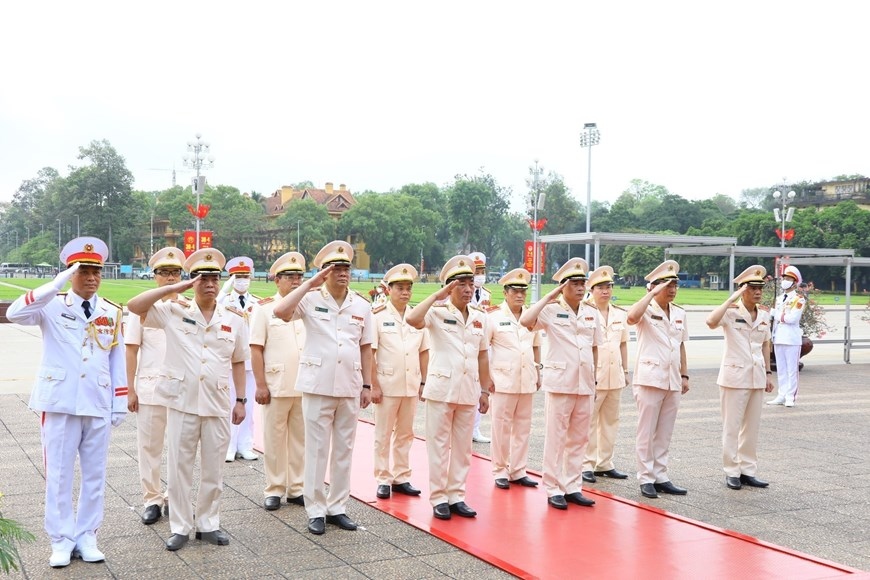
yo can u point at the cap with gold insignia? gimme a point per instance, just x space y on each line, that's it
516 278
400 273
600 275
289 262
479 259
240 265
573 268
753 275
205 261
664 272
457 267
170 257
336 252
86 250
794 273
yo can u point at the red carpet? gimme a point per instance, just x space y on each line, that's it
516 531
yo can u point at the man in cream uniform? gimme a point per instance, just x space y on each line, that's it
515 356
205 342
482 297
573 335
611 375
81 390
660 376
146 350
787 336
235 293
276 347
745 372
335 374
458 366
401 354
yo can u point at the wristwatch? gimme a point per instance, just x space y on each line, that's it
241 400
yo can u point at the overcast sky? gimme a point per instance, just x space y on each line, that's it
701 97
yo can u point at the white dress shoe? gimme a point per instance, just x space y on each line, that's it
87 550
480 438
248 455
231 456
59 557
789 403
776 401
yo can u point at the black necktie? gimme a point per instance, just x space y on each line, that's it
242 300
87 308
477 295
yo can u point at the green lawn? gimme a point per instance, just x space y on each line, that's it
123 290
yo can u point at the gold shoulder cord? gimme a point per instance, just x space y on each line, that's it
92 331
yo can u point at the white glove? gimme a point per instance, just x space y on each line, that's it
118 418
63 277
228 285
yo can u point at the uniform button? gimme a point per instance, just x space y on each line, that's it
339 362
203 360
84 359
202 378
205 346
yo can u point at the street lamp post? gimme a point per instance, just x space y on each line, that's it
78 227
537 203
588 138
782 215
298 237
198 161
59 263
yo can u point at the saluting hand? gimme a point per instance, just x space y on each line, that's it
320 277
738 293
444 292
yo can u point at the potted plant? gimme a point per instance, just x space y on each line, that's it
813 323
11 533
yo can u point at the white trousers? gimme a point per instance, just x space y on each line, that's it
656 414
63 438
150 435
741 416
242 435
394 431
787 360
511 427
448 443
284 446
565 441
186 432
602 430
330 432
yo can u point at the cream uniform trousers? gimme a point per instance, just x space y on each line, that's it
283 421
397 347
242 435
610 375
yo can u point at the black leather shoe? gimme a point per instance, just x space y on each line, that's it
151 514
461 509
525 481
612 474
316 526
442 511
502 483
342 521
176 542
298 500
272 503
669 488
383 491
733 482
752 481
579 499
648 490
405 488
588 477
558 502
217 537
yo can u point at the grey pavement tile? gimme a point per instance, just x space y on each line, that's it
460 564
338 573
369 551
291 561
399 569
424 545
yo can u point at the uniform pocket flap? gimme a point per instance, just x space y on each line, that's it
556 365
275 368
310 361
52 374
445 373
385 370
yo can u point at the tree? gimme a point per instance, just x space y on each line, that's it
478 206
563 213
310 223
437 232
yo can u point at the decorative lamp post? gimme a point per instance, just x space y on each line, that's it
536 202
198 160
783 215
588 138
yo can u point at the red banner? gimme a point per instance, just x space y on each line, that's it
789 234
529 257
537 225
205 239
200 212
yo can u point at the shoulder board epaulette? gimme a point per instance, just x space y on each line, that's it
764 308
591 303
235 310
182 300
257 298
677 305
493 308
361 295
733 305
478 308
266 300
118 306
439 305
618 307
554 301
380 308
61 293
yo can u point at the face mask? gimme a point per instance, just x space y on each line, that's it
241 285
479 279
786 284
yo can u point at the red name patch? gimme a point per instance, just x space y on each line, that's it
360 318
226 328
477 324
